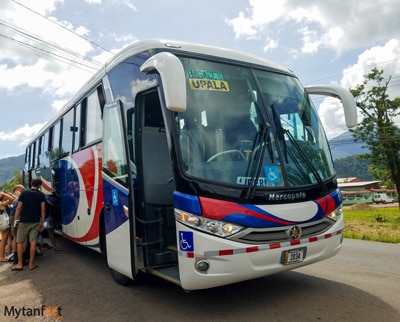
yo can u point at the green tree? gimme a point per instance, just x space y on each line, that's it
8 186
377 128
352 166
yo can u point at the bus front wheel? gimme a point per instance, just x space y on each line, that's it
120 278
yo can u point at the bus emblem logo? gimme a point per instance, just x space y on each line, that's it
294 232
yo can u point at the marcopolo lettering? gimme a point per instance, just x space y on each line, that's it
286 196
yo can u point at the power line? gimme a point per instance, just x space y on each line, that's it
58 57
52 21
53 46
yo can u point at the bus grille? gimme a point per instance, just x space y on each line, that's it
280 234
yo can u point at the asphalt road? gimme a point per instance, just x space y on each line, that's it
361 283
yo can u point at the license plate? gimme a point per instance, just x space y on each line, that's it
293 256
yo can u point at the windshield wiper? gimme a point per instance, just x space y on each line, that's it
280 132
261 140
307 160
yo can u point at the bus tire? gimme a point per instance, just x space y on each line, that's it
120 278
102 237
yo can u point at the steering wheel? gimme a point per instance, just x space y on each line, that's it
238 152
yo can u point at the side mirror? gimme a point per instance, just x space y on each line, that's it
348 102
172 76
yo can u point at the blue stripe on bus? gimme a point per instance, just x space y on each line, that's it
187 203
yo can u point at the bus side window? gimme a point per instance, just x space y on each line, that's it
66 137
54 143
33 156
77 128
92 117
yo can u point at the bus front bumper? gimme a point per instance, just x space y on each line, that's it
207 261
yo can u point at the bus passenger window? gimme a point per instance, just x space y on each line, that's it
94 125
55 142
66 138
77 128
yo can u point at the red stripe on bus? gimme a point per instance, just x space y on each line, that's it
225 252
273 246
252 249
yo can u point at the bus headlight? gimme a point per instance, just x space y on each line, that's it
336 214
215 227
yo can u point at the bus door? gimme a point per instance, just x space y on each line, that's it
155 215
117 230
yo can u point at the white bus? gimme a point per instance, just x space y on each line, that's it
201 165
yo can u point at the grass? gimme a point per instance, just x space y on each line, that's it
375 224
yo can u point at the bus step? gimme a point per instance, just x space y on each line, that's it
170 274
163 258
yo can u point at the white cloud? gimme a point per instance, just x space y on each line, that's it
332 117
311 41
340 26
386 58
21 135
59 104
60 81
271 44
242 26
248 24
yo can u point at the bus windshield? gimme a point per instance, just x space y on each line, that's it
250 127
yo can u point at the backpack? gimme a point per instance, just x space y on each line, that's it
4 220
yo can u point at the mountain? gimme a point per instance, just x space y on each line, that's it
344 146
8 165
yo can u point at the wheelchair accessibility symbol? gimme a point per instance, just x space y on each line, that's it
272 174
114 195
186 241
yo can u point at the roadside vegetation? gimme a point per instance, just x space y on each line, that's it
374 224
378 129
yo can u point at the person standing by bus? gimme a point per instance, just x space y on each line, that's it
6 199
31 211
12 244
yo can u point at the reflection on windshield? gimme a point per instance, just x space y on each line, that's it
237 124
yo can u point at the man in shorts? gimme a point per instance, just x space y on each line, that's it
31 212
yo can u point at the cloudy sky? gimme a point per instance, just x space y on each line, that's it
49 48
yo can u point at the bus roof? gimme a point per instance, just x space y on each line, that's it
169 45
186 47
